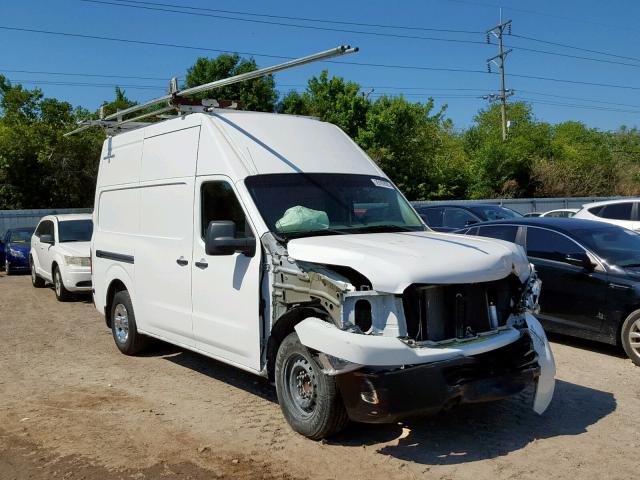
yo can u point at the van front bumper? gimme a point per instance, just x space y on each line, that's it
384 394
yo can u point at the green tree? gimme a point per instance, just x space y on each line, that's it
258 94
38 166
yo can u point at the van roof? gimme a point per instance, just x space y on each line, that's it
263 143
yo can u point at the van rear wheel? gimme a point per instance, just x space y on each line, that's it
309 399
123 325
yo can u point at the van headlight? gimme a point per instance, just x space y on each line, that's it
76 261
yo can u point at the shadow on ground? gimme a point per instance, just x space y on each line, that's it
584 344
464 434
222 372
482 431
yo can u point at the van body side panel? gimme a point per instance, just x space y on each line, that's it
170 155
163 247
120 159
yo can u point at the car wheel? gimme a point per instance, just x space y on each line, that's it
7 268
62 294
123 325
36 280
630 337
309 399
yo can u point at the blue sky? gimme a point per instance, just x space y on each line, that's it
610 27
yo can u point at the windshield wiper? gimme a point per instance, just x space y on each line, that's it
385 228
631 265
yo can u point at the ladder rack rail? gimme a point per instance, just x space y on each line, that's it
115 119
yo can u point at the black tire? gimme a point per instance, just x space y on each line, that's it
124 329
36 280
309 399
62 294
630 337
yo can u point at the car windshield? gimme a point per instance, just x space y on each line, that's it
297 205
20 236
616 245
75 230
494 212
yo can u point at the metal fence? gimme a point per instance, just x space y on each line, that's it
30 218
527 205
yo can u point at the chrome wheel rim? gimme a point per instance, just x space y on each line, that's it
58 283
301 385
33 273
121 323
634 337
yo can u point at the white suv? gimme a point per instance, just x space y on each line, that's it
623 212
60 254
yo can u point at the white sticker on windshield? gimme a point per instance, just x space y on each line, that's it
381 183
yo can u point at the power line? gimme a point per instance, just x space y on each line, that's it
564 45
84 84
357 32
358 64
306 19
578 98
570 105
283 24
77 74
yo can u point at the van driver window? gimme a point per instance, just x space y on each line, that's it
219 202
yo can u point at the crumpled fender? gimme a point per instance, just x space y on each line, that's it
546 381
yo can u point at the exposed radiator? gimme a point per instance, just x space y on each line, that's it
441 312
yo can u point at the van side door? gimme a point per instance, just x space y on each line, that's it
225 288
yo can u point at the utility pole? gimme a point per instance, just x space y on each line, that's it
498 31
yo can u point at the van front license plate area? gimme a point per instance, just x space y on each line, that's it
385 395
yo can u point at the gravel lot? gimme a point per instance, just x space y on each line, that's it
71 406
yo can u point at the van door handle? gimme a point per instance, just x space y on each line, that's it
182 261
201 265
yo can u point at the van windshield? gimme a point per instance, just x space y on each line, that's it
297 205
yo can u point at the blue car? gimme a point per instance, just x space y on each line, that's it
14 249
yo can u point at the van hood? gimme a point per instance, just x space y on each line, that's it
393 261
75 249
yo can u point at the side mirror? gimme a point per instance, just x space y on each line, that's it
468 223
47 238
579 260
220 240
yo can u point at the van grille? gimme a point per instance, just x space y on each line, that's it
442 312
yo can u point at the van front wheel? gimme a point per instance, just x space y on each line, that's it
123 325
309 399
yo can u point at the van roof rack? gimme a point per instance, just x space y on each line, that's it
175 100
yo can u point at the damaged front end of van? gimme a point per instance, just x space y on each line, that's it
413 323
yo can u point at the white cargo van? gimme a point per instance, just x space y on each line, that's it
273 243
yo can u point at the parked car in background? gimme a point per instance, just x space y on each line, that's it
590 274
532 214
561 213
60 254
14 249
450 217
624 212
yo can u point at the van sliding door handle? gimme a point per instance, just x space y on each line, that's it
201 265
182 261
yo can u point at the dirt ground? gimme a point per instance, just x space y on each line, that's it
73 407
